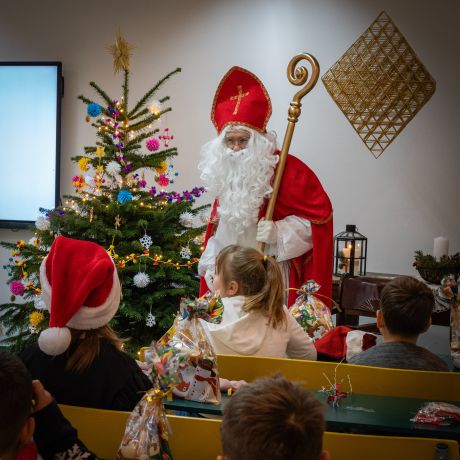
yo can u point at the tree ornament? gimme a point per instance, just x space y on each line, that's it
113 168
150 321
83 163
34 241
152 144
166 137
146 241
162 167
93 109
39 303
100 151
89 180
121 52
185 252
186 219
42 223
17 288
33 329
141 280
162 180
36 317
155 108
124 196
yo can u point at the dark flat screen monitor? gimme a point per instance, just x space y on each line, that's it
30 119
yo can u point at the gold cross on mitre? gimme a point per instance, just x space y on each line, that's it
238 98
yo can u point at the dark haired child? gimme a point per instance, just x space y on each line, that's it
405 311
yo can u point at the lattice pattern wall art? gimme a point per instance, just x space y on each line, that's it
379 84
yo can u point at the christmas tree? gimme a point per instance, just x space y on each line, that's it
149 232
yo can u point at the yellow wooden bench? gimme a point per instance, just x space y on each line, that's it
199 439
364 379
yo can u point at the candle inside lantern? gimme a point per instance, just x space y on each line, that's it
440 247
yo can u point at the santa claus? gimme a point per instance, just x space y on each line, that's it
238 168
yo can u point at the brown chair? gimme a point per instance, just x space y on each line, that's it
359 296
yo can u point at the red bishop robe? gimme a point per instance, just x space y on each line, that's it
300 194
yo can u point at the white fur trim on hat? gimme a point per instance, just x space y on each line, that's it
54 340
96 317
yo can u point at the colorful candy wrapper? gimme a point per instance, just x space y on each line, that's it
187 342
313 315
146 432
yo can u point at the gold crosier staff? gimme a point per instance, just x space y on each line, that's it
297 76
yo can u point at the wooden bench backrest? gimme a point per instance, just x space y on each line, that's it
364 379
196 438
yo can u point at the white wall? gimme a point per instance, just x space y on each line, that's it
399 201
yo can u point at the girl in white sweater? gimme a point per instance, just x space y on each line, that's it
255 321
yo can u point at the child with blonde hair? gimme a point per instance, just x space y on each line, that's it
255 320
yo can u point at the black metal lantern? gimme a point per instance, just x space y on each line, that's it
350 252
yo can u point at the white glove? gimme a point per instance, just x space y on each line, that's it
266 232
209 278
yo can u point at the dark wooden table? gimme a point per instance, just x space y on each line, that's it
358 413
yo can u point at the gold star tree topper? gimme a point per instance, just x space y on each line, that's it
121 52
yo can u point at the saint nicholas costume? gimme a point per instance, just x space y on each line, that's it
242 100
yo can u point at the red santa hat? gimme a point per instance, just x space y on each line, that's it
342 342
81 289
241 99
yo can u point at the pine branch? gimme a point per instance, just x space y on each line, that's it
150 93
102 93
125 90
147 120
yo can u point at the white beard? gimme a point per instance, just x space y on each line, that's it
241 180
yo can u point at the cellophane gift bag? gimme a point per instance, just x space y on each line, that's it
197 366
146 432
310 312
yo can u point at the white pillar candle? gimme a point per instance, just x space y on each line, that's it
440 247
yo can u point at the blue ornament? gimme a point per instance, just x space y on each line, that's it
94 110
124 196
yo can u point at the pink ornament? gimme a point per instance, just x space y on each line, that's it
17 288
162 180
153 144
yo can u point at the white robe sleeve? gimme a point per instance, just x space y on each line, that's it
293 240
300 345
208 258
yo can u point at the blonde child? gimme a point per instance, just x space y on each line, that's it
255 321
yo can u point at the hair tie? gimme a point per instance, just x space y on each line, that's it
264 261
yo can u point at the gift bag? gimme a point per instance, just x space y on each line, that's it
187 342
146 432
313 315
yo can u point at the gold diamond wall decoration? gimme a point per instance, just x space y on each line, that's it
379 84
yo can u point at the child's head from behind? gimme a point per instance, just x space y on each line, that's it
82 291
15 402
246 271
406 305
273 419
